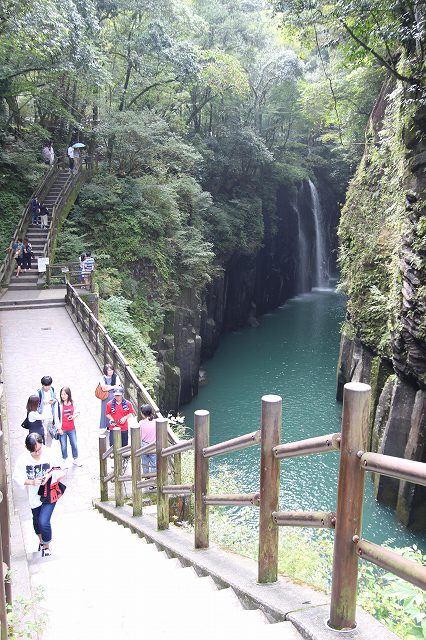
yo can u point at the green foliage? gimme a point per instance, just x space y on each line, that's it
24 617
11 208
370 31
396 603
117 320
370 262
72 243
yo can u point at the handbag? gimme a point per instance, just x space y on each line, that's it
99 393
25 424
51 491
53 430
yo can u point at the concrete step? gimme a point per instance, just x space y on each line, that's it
25 277
33 302
31 305
22 286
159 596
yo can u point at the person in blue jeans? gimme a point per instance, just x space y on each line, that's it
67 428
148 436
33 468
35 210
49 405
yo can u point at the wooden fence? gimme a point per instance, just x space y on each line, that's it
349 547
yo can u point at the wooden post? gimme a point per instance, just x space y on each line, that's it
350 495
4 516
135 443
105 348
201 478
177 460
96 338
269 488
162 467
118 467
103 467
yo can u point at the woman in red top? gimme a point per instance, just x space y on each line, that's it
67 430
117 412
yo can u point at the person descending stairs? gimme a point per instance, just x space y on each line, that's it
37 237
23 292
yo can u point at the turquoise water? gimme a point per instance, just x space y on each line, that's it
293 353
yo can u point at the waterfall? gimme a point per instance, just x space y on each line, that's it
303 248
321 259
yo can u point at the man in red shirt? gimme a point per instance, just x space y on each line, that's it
117 412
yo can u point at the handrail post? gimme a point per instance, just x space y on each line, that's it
162 470
135 443
118 467
269 488
4 516
103 468
350 495
201 478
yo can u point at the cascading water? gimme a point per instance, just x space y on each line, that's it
303 249
321 275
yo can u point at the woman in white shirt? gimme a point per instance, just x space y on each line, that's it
32 469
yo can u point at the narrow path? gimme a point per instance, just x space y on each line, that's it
37 342
101 581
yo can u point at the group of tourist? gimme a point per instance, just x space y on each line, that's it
39 213
49 418
39 466
74 156
115 412
48 154
23 254
87 266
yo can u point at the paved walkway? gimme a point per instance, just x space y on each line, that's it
37 342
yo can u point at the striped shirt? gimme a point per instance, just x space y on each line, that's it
89 264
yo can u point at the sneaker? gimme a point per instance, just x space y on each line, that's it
77 462
65 463
45 553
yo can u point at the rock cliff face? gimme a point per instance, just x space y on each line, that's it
385 278
249 286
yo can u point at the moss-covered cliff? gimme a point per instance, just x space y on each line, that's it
383 262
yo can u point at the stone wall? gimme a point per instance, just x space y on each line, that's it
397 424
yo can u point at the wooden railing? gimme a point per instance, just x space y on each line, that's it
61 273
6 267
349 547
105 350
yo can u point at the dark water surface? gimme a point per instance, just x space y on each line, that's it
293 353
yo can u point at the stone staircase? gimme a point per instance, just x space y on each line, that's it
103 581
26 283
